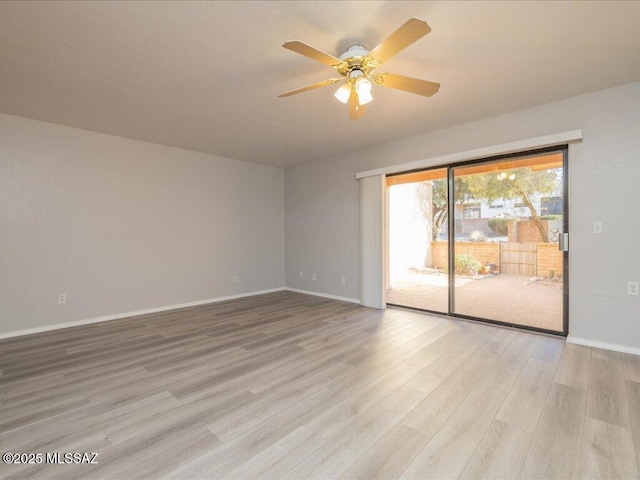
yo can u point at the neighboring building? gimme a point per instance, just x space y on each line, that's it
474 216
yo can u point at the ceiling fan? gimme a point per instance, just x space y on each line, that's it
356 67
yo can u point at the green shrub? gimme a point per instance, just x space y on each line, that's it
467 265
551 217
499 226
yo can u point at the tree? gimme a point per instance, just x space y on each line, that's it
439 204
435 192
522 183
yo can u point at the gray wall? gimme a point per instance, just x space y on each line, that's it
120 225
322 205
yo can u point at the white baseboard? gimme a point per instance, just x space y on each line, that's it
606 346
325 295
118 316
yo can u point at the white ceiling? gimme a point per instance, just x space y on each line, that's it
205 75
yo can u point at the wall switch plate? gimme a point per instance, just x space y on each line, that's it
313 276
62 298
236 279
597 227
301 275
343 280
633 288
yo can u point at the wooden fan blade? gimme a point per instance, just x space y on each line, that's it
323 83
408 84
311 52
412 30
356 110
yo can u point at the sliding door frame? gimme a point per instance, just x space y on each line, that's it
564 149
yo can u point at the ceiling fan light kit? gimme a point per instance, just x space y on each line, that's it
343 93
363 89
356 67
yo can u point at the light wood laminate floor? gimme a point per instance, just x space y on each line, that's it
290 386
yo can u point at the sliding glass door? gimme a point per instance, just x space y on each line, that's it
482 240
418 255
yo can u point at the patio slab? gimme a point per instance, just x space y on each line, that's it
506 298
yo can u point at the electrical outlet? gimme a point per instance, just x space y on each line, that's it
597 227
313 276
632 288
343 280
62 298
301 274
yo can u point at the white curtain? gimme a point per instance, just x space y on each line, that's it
372 215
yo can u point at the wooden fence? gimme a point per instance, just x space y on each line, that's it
527 259
518 258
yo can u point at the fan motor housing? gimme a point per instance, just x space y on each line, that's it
356 58
356 50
